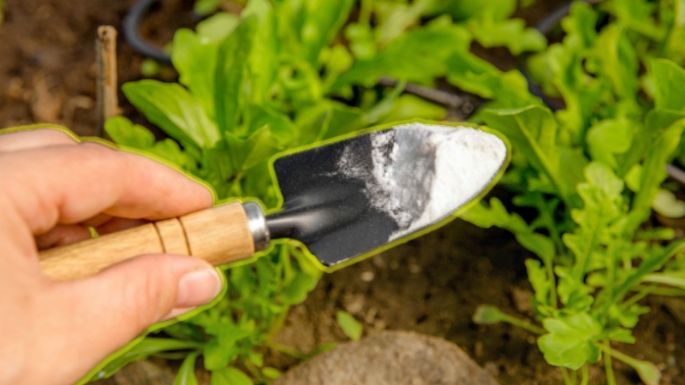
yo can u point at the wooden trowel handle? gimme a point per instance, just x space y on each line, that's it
218 235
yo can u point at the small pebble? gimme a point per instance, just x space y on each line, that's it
367 276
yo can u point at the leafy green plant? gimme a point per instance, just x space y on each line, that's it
291 72
249 86
592 171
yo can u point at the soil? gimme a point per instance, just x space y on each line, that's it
47 57
431 285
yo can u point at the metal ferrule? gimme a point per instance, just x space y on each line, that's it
256 222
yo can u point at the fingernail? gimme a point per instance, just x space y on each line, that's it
197 288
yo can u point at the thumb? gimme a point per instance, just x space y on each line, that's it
99 314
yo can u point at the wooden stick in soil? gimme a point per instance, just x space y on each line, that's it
106 56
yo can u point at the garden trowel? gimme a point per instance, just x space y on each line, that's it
343 200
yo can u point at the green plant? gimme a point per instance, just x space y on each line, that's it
249 86
291 72
591 172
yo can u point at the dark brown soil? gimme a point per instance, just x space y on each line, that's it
431 285
47 57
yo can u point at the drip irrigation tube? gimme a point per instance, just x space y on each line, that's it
131 26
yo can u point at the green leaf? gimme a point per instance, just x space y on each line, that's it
541 282
417 56
659 153
511 33
216 28
532 130
569 342
608 138
230 75
602 205
295 291
195 60
145 348
230 376
230 341
618 60
668 79
258 147
496 215
675 279
649 265
186 373
265 51
271 373
124 132
205 7
666 204
637 16
322 24
490 9
413 107
173 109
352 328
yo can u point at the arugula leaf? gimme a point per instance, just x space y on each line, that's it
570 340
532 130
602 202
230 376
496 215
186 373
609 138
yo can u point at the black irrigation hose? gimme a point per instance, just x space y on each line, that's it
132 22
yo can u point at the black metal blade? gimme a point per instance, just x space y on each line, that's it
331 194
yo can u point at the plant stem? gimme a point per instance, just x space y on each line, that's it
609 369
365 12
626 359
665 291
568 380
523 324
287 350
584 375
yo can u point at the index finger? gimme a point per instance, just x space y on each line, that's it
69 184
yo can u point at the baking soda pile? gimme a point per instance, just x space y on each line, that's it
422 173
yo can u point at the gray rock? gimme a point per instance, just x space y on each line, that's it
390 358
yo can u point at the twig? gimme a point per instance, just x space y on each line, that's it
106 52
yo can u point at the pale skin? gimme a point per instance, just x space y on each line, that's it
51 189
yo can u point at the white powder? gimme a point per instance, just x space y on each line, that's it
423 173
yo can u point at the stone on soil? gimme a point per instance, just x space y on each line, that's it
390 358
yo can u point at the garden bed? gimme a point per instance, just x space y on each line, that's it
431 285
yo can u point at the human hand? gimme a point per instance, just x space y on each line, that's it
51 189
